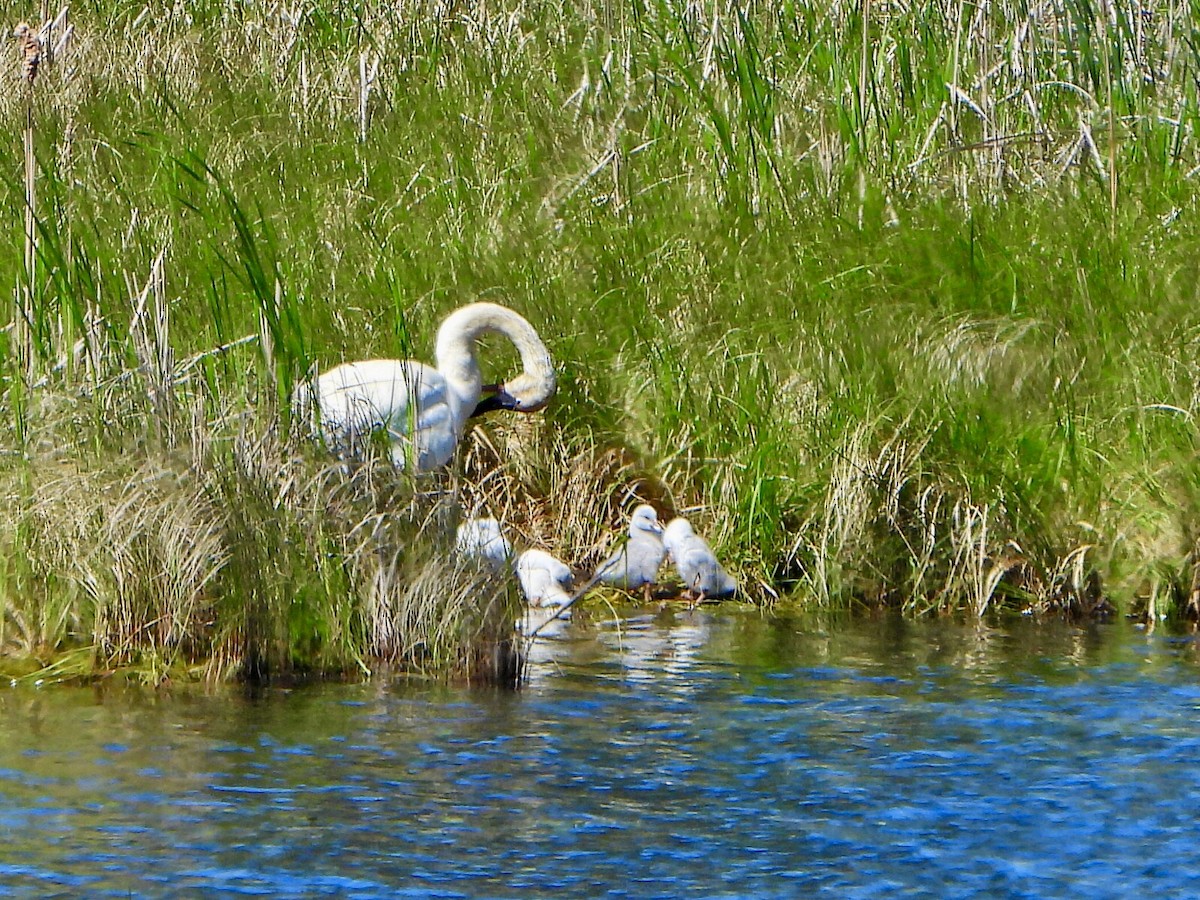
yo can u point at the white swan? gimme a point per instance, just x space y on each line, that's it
636 564
483 539
544 579
703 576
423 410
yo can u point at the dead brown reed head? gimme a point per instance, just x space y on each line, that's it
29 45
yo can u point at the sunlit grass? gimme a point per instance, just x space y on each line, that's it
898 301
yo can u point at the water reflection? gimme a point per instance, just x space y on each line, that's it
658 753
659 647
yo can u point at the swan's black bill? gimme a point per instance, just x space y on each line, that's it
501 399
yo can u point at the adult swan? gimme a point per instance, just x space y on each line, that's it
424 410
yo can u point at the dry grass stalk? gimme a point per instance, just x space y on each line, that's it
29 46
368 71
150 334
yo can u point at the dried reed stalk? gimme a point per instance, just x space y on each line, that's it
367 73
29 45
151 338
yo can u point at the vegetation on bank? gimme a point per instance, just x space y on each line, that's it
898 300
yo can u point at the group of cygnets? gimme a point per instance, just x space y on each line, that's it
547 581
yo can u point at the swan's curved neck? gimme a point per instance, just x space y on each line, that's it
455 352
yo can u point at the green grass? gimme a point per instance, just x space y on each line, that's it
902 307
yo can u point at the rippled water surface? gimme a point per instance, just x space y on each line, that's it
680 754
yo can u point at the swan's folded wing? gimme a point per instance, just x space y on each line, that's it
382 389
409 400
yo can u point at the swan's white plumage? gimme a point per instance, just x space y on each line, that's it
636 564
695 561
410 402
423 410
482 539
544 579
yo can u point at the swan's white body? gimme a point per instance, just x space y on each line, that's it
544 579
703 576
636 564
483 539
423 411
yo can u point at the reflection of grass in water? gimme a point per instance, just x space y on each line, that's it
905 313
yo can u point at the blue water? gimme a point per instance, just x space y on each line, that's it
679 755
